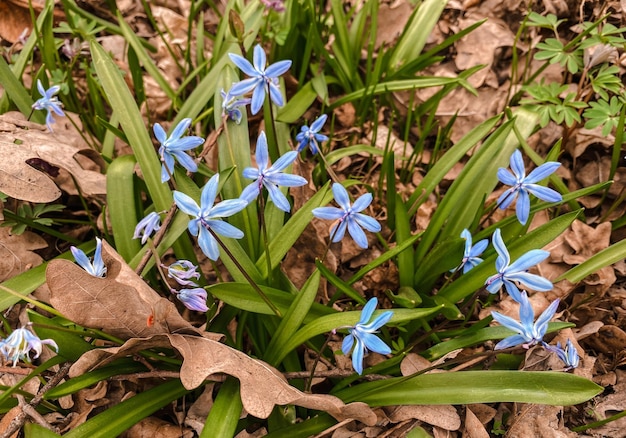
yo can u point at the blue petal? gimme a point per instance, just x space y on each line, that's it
185 203
319 123
542 172
347 344
258 58
526 312
528 260
225 229
522 208
546 316
209 192
193 226
357 357
287 180
250 192
494 283
380 321
185 143
251 173
357 234
367 222
368 310
512 289
180 129
228 208
258 97
532 281
544 193
186 161
328 213
373 343
506 177
278 198
245 86
262 155
479 248
41 89
284 161
277 69
506 198
498 244
159 133
362 202
341 196
338 230
276 95
208 244
81 258
517 165
511 341
508 322
245 66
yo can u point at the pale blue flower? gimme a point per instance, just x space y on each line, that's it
568 355
193 299
97 268
348 216
20 343
270 177
528 331
277 5
311 136
470 254
208 217
522 185
175 146
260 78
231 105
147 226
49 102
363 335
183 271
509 272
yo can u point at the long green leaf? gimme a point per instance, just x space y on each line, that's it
466 387
606 257
225 412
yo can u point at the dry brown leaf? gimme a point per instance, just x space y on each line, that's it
473 426
16 252
262 386
21 181
121 304
443 416
155 427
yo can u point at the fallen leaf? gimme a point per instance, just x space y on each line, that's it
120 304
262 386
443 416
474 428
16 252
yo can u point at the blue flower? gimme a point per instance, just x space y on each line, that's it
174 147
97 268
568 355
208 217
183 271
277 5
147 226
260 78
471 253
193 299
362 336
49 102
231 105
348 216
270 177
20 343
509 272
311 136
528 331
522 185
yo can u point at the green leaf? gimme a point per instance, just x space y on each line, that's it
606 257
466 387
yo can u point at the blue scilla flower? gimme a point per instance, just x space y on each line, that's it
260 78
147 226
363 335
193 299
310 136
471 253
20 343
509 272
231 106
348 216
528 331
522 185
49 102
209 217
97 268
270 177
568 355
174 147
184 272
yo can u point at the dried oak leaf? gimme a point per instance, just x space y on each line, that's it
16 252
22 181
262 386
121 304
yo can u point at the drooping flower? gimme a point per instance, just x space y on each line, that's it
20 343
522 185
183 271
310 136
49 102
270 177
277 5
528 331
175 146
209 217
363 335
509 272
568 355
260 78
147 226
97 268
470 254
231 106
349 216
193 299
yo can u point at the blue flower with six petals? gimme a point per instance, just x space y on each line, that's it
568 355
522 185
270 177
97 268
193 299
348 216
260 78
363 335
231 105
49 102
528 331
471 253
509 272
310 136
208 217
147 226
174 147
